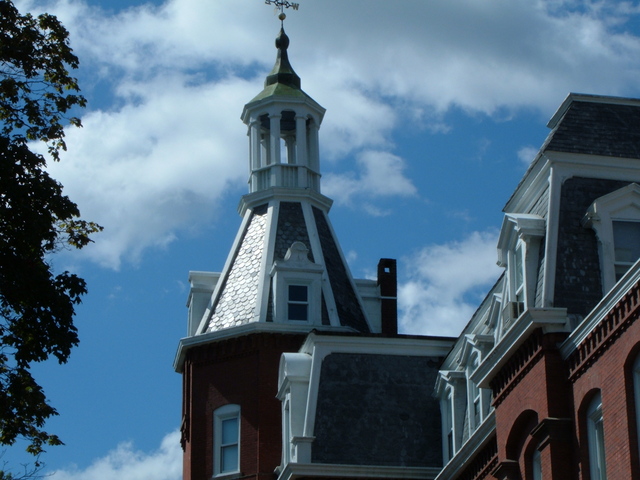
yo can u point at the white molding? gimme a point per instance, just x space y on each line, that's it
282 194
620 205
319 347
225 271
299 470
550 319
187 343
610 300
470 448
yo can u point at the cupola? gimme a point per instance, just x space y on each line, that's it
283 123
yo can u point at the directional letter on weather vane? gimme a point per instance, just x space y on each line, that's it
282 4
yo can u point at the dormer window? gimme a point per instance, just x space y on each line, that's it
518 251
615 218
518 282
297 287
626 241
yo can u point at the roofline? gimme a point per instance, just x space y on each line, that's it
587 97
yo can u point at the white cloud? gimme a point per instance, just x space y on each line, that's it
527 154
381 175
445 284
169 82
126 463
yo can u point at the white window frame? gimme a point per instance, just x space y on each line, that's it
297 270
518 252
451 389
595 438
292 302
625 265
221 414
448 434
621 205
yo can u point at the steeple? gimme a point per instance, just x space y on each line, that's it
285 276
286 266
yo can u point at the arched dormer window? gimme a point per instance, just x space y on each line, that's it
478 399
518 251
615 218
451 389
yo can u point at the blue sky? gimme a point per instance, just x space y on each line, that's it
434 110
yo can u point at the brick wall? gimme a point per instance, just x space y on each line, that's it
242 371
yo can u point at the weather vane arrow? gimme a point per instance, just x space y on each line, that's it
282 4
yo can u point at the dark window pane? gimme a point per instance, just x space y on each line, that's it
297 293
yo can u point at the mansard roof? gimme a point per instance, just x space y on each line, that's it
596 125
245 293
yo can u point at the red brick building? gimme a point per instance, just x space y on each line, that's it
294 369
542 384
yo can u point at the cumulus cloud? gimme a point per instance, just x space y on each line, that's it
381 174
527 154
162 141
127 463
445 284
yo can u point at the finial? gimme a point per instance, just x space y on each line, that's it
282 4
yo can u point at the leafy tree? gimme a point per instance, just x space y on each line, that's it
36 218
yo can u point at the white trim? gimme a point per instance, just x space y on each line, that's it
319 347
250 328
596 441
620 205
470 448
596 315
293 471
221 414
550 319
318 256
225 272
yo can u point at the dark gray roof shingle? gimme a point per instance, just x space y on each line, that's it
596 128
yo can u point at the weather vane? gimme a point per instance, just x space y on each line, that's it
282 4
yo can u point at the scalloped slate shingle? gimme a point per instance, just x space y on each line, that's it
236 303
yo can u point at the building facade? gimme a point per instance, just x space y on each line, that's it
294 369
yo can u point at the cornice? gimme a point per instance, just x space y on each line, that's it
549 319
293 471
470 449
188 343
261 197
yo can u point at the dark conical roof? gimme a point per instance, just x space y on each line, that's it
283 72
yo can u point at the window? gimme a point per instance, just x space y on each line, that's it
636 395
518 251
226 439
447 420
626 240
474 394
298 303
536 465
615 218
297 286
595 437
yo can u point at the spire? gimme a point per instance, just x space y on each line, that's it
282 71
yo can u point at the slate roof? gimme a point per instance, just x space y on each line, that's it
367 403
237 301
596 128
